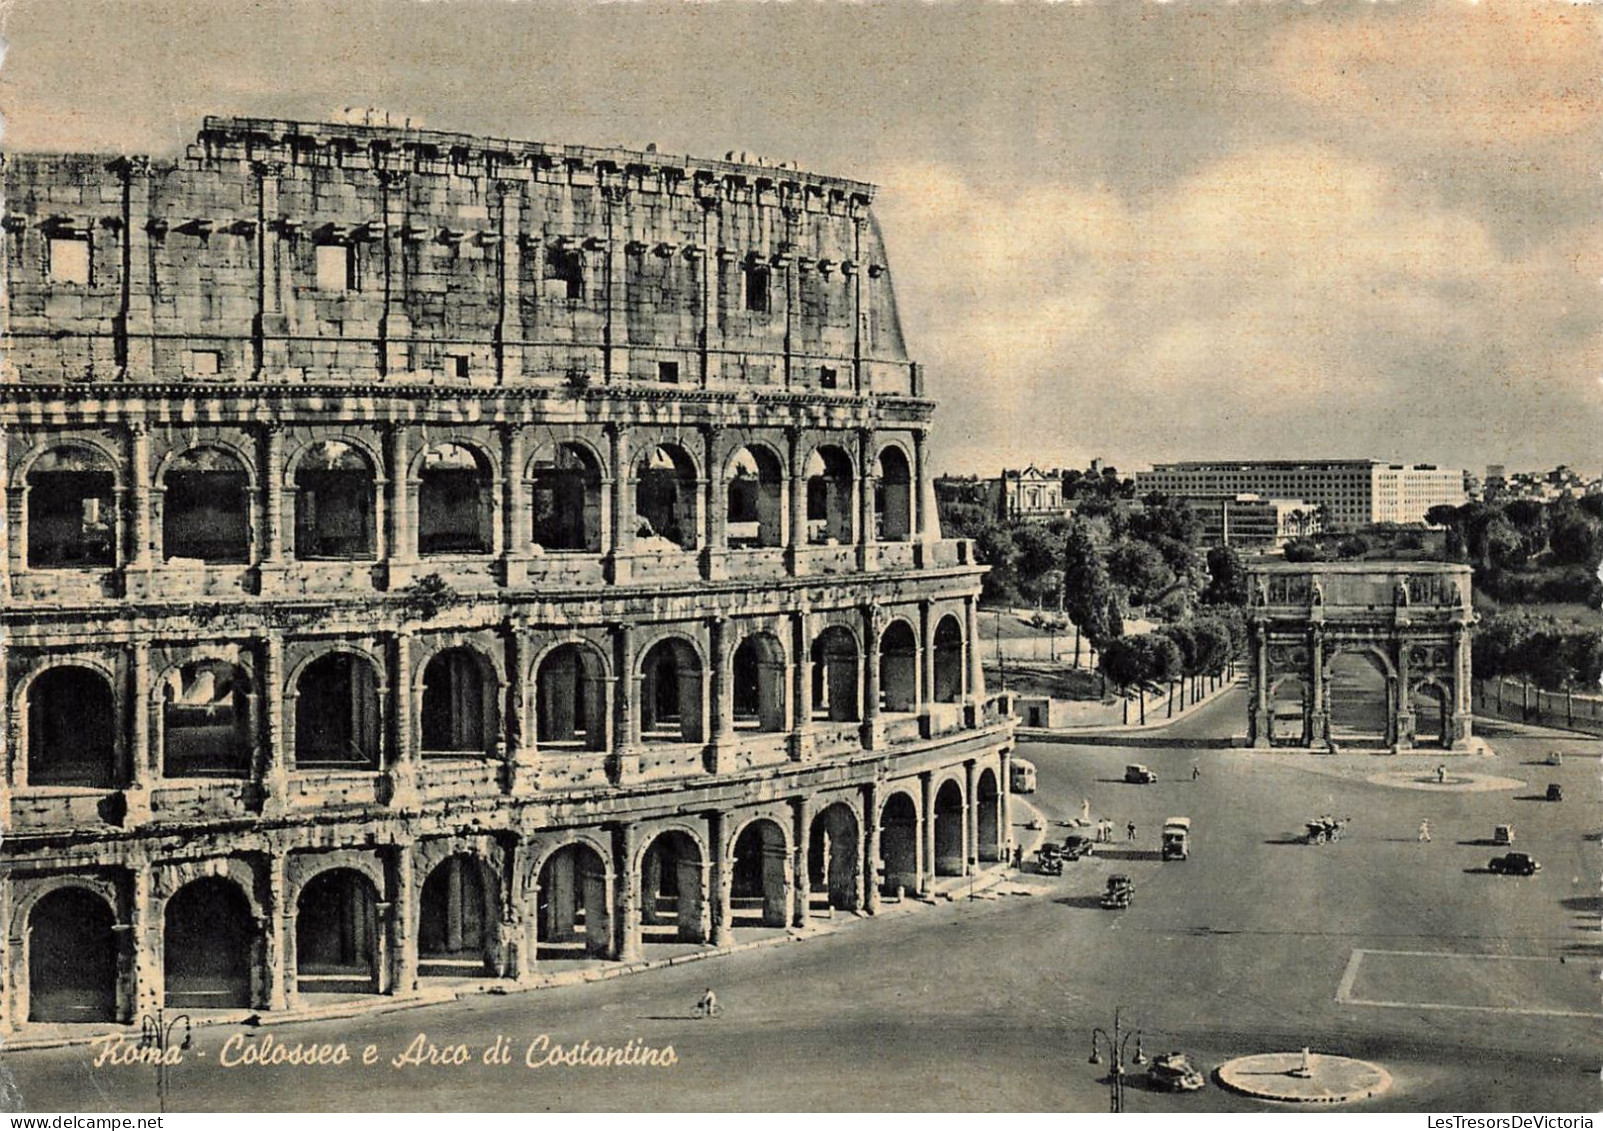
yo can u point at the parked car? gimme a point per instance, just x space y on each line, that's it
1555 792
1555 758
1514 864
1076 846
1137 774
1174 1072
1502 834
1177 838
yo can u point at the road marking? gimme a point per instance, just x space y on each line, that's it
1350 976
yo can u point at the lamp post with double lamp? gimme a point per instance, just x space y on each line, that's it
157 1032
1115 1046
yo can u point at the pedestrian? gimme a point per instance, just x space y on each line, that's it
1196 771
1441 777
1018 857
1424 832
1129 831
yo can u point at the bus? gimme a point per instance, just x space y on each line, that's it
1023 776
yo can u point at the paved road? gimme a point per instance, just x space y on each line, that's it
989 1004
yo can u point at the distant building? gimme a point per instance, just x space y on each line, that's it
1354 493
1253 522
1028 494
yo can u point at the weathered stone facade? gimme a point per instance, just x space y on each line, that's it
1404 625
431 556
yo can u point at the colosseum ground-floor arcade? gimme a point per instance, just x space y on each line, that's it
280 917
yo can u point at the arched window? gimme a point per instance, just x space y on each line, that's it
670 696
205 721
567 501
665 501
948 662
455 704
756 500
455 502
336 713
71 510
829 497
334 492
72 727
835 691
893 497
206 946
72 958
570 699
336 934
206 507
759 683
898 668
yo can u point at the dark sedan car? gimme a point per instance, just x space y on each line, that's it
1514 864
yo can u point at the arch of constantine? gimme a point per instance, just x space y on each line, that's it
1365 655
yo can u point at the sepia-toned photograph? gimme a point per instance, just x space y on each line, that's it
562 556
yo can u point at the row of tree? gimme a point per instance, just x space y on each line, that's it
1526 550
1179 657
1555 655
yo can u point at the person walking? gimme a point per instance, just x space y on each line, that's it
1424 832
1129 831
1196 771
1441 774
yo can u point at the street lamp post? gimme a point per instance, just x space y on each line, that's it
156 1032
1116 1045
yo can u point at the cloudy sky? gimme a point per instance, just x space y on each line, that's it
1136 231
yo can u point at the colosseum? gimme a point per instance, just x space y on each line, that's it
434 558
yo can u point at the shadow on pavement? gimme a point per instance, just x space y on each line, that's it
1479 872
1128 854
1092 901
1288 839
1483 842
1588 903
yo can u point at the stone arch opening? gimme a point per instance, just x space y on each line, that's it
670 697
948 661
566 490
755 500
673 899
334 504
208 941
336 934
1361 699
759 683
205 511
336 712
206 721
573 917
988 817
950 858
893 497
72 510
1433 716
835 682
759 889
666 514
829 497
832 856
72 729
458 704
456 920
570 699
456 501
898 668
898 844
1290 708
72 958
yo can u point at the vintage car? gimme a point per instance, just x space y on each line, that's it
1177 838
1137 774
1514 864
1555 792
1174 1072
1075 846
1120 892
1503 834
1049 860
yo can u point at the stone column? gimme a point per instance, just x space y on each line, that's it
916 490
274 699
1318 734
12 937
723 698
1258 710
801 810
278 935
139 488
7 777
623 511
403 771
626 706
796 535
5 531
871 848
145 930
625 839
859 315
133 326
715 508
143 774
926 832
924 694
273 495
868 480
615 331
1463 706
516 522
509 262
402 542
403 919
801 688
873 730
974 689
1403 727
1004 804
520 744
722 879
268 329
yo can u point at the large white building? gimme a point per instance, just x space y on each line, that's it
1354 492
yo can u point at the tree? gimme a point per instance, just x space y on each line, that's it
1140 569
1038 554
1227 578
1212 637
1086 588
1576 538
993 545
1304 550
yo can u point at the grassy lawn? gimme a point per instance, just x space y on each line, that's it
1054 680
